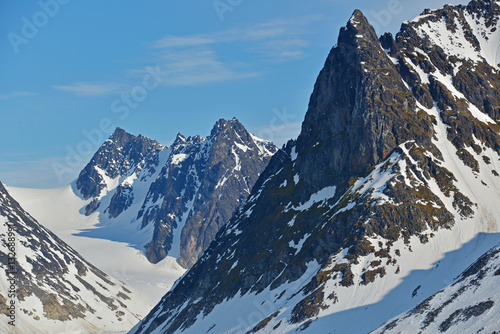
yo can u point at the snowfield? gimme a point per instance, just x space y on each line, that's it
113 249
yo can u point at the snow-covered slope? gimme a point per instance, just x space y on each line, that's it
47 287
470 305
133 187
390 191
111 250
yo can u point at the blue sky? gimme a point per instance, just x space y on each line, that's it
74 70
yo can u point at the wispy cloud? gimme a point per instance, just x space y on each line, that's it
194 67
283 50
279 40
182 41
201 59
279 135
13 95
90 89
196 59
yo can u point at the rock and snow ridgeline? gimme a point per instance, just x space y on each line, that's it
116 214
387 195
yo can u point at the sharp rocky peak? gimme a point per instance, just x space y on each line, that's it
120 133
119 154
358 112
358 30
211 177
222 126
179 140
122 138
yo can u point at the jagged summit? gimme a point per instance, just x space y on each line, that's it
179 140
214 175
120 153
223 126
179 196
358 112
220 125
357 29
119 132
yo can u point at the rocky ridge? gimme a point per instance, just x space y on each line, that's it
179 195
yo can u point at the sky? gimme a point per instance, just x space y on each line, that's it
72 71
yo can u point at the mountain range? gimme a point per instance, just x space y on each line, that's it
140 211
381 217
387 196
181 194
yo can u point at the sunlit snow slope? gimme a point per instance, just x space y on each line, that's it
49 288
59 210
469 305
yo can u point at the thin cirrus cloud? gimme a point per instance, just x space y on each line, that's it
195 67
90 89
194 60
279 40
181 41
13 95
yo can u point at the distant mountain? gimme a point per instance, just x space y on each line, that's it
49 286
180 196
389 192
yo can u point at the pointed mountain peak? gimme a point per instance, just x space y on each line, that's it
179 140
358 28
223 124
121 138
357 18
120 132
120 152
218 127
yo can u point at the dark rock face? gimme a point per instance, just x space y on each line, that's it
117 156
188 191
376 112
49 270
359 112
203 183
